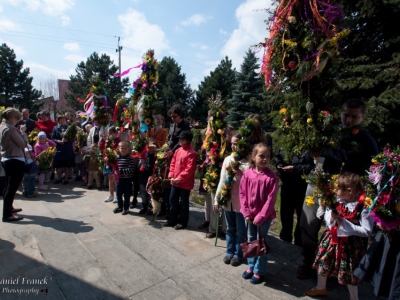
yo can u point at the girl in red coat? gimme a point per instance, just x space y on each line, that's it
181 174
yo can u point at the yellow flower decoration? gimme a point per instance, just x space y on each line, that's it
309 121
310 200
283 111
368 202
214 175
292 20
224 192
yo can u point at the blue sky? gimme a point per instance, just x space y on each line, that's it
53 36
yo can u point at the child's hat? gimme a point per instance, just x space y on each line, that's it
42 133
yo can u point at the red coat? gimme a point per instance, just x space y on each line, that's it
47 126
183 167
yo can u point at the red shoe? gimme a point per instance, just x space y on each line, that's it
314 292
83 183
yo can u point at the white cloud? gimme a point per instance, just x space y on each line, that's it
18 50
41 73
172 53
178 29
196 19
75 58
223 32
251 30
73 47
211 66
8 25
56 7
137 31
198 46
48 7
65 20
200 56
194 82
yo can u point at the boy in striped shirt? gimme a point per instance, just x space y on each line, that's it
126 168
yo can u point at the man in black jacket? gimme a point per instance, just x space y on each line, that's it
293 190
30 124
177 127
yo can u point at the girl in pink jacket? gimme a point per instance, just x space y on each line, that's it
41 145
258 189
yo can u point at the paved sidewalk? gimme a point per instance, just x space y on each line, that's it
71 245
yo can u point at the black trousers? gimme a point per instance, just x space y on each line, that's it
136 187
14 173
124 192
179 206
292 198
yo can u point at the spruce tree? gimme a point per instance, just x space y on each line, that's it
248 90
370 64
15 83
172 87
221 80
96 66
318 56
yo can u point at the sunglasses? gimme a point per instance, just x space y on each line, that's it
173 117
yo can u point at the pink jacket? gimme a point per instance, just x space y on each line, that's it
183 167
258 195
39 148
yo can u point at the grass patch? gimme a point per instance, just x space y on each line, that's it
197 198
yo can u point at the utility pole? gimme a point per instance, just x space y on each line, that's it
119 56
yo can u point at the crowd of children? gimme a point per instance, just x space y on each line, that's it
254 190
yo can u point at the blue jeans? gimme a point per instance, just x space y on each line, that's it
124 188
258 264
179 206
235 233
29 184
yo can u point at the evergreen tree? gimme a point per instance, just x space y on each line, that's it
172 87
248 90
221 80
370 64
102 67
318 56
15 83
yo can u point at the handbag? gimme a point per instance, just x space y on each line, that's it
254 248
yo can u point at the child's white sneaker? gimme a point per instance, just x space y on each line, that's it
109 199
115 200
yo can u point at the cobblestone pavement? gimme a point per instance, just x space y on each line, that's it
71 245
